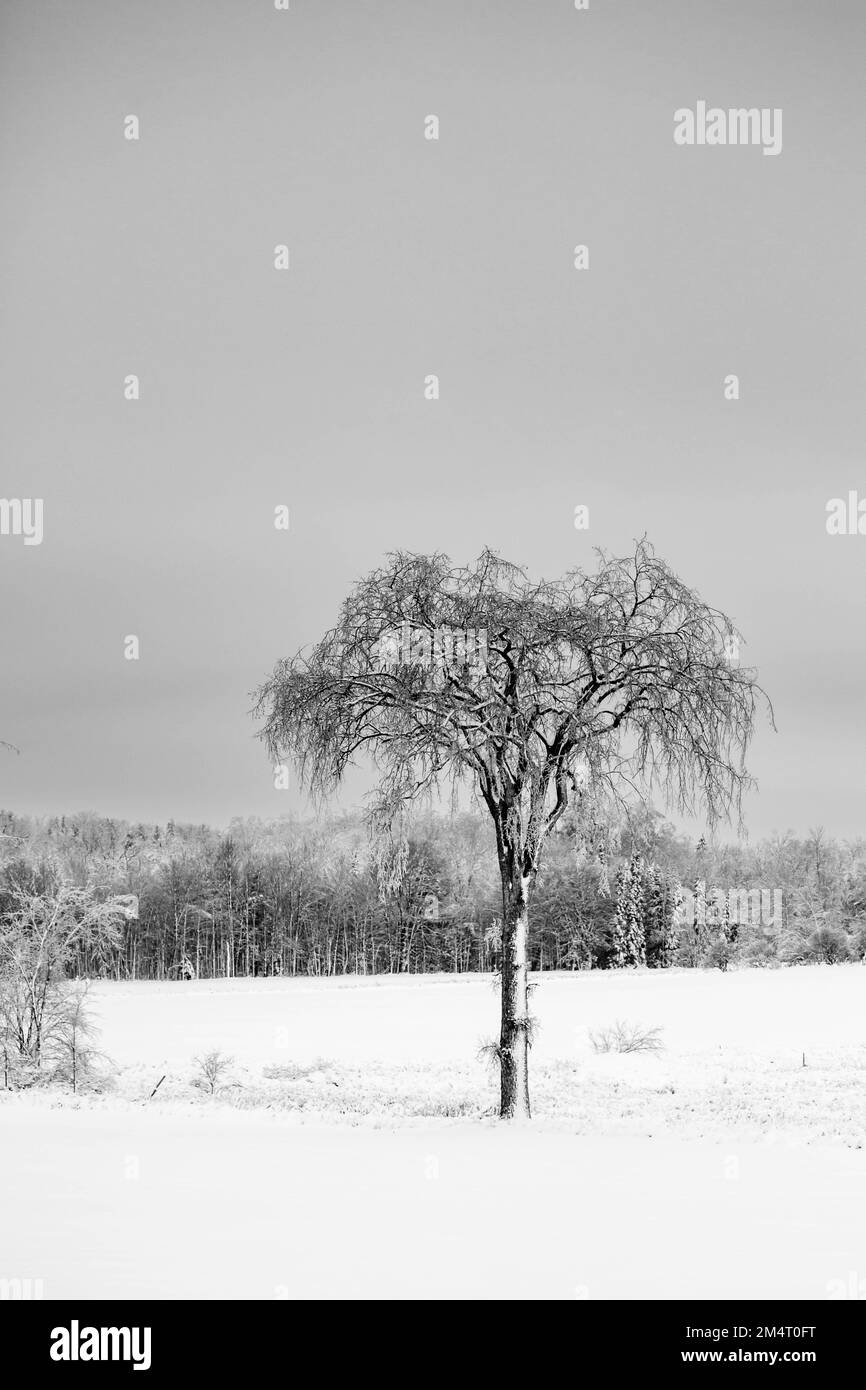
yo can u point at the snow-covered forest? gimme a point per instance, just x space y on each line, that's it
306 898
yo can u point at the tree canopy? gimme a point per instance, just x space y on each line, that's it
610 680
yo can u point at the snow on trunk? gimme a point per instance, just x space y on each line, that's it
514 1039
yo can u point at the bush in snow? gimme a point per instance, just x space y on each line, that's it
627 1037
213 1066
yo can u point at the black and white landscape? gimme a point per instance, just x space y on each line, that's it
432 844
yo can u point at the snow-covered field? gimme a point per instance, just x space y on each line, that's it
353 1153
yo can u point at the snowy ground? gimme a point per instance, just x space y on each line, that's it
365 1162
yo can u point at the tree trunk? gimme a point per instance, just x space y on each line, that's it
514 1034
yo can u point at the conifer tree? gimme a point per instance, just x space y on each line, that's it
629 931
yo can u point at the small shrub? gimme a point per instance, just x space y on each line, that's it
857 941
758 949
212 1066
827 944
722 953
627 1037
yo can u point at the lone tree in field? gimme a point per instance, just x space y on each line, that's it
540 694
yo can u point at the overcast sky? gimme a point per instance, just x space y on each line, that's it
409 257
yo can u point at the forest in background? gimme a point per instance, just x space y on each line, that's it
293 897
306 897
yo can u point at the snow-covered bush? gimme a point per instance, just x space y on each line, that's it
213 1068
627 1037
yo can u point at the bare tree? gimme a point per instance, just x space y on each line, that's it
38 939
212 1066
68 1035
590 686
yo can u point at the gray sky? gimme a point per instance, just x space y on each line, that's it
410 257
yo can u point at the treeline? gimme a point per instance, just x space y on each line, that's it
295 897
